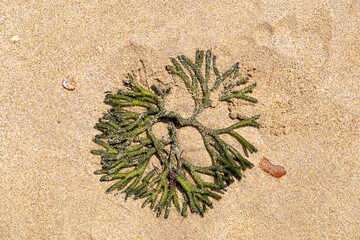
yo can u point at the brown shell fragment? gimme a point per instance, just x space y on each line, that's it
69 83
274 170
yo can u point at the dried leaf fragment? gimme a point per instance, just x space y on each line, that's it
274 170
69 83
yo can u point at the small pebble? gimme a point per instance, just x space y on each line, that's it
274 170
98 50
69 83
15 39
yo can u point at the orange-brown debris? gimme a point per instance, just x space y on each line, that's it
274 170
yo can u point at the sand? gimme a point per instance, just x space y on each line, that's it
303 55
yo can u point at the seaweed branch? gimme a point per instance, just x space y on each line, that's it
129 142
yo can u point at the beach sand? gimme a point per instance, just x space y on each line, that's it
303 55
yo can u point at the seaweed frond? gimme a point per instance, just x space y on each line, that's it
129 142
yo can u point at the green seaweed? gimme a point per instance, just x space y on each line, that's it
129 141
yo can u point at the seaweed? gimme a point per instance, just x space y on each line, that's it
128 139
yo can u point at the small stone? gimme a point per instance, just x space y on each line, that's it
15 39
98 50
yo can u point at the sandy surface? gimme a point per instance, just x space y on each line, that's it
306 56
